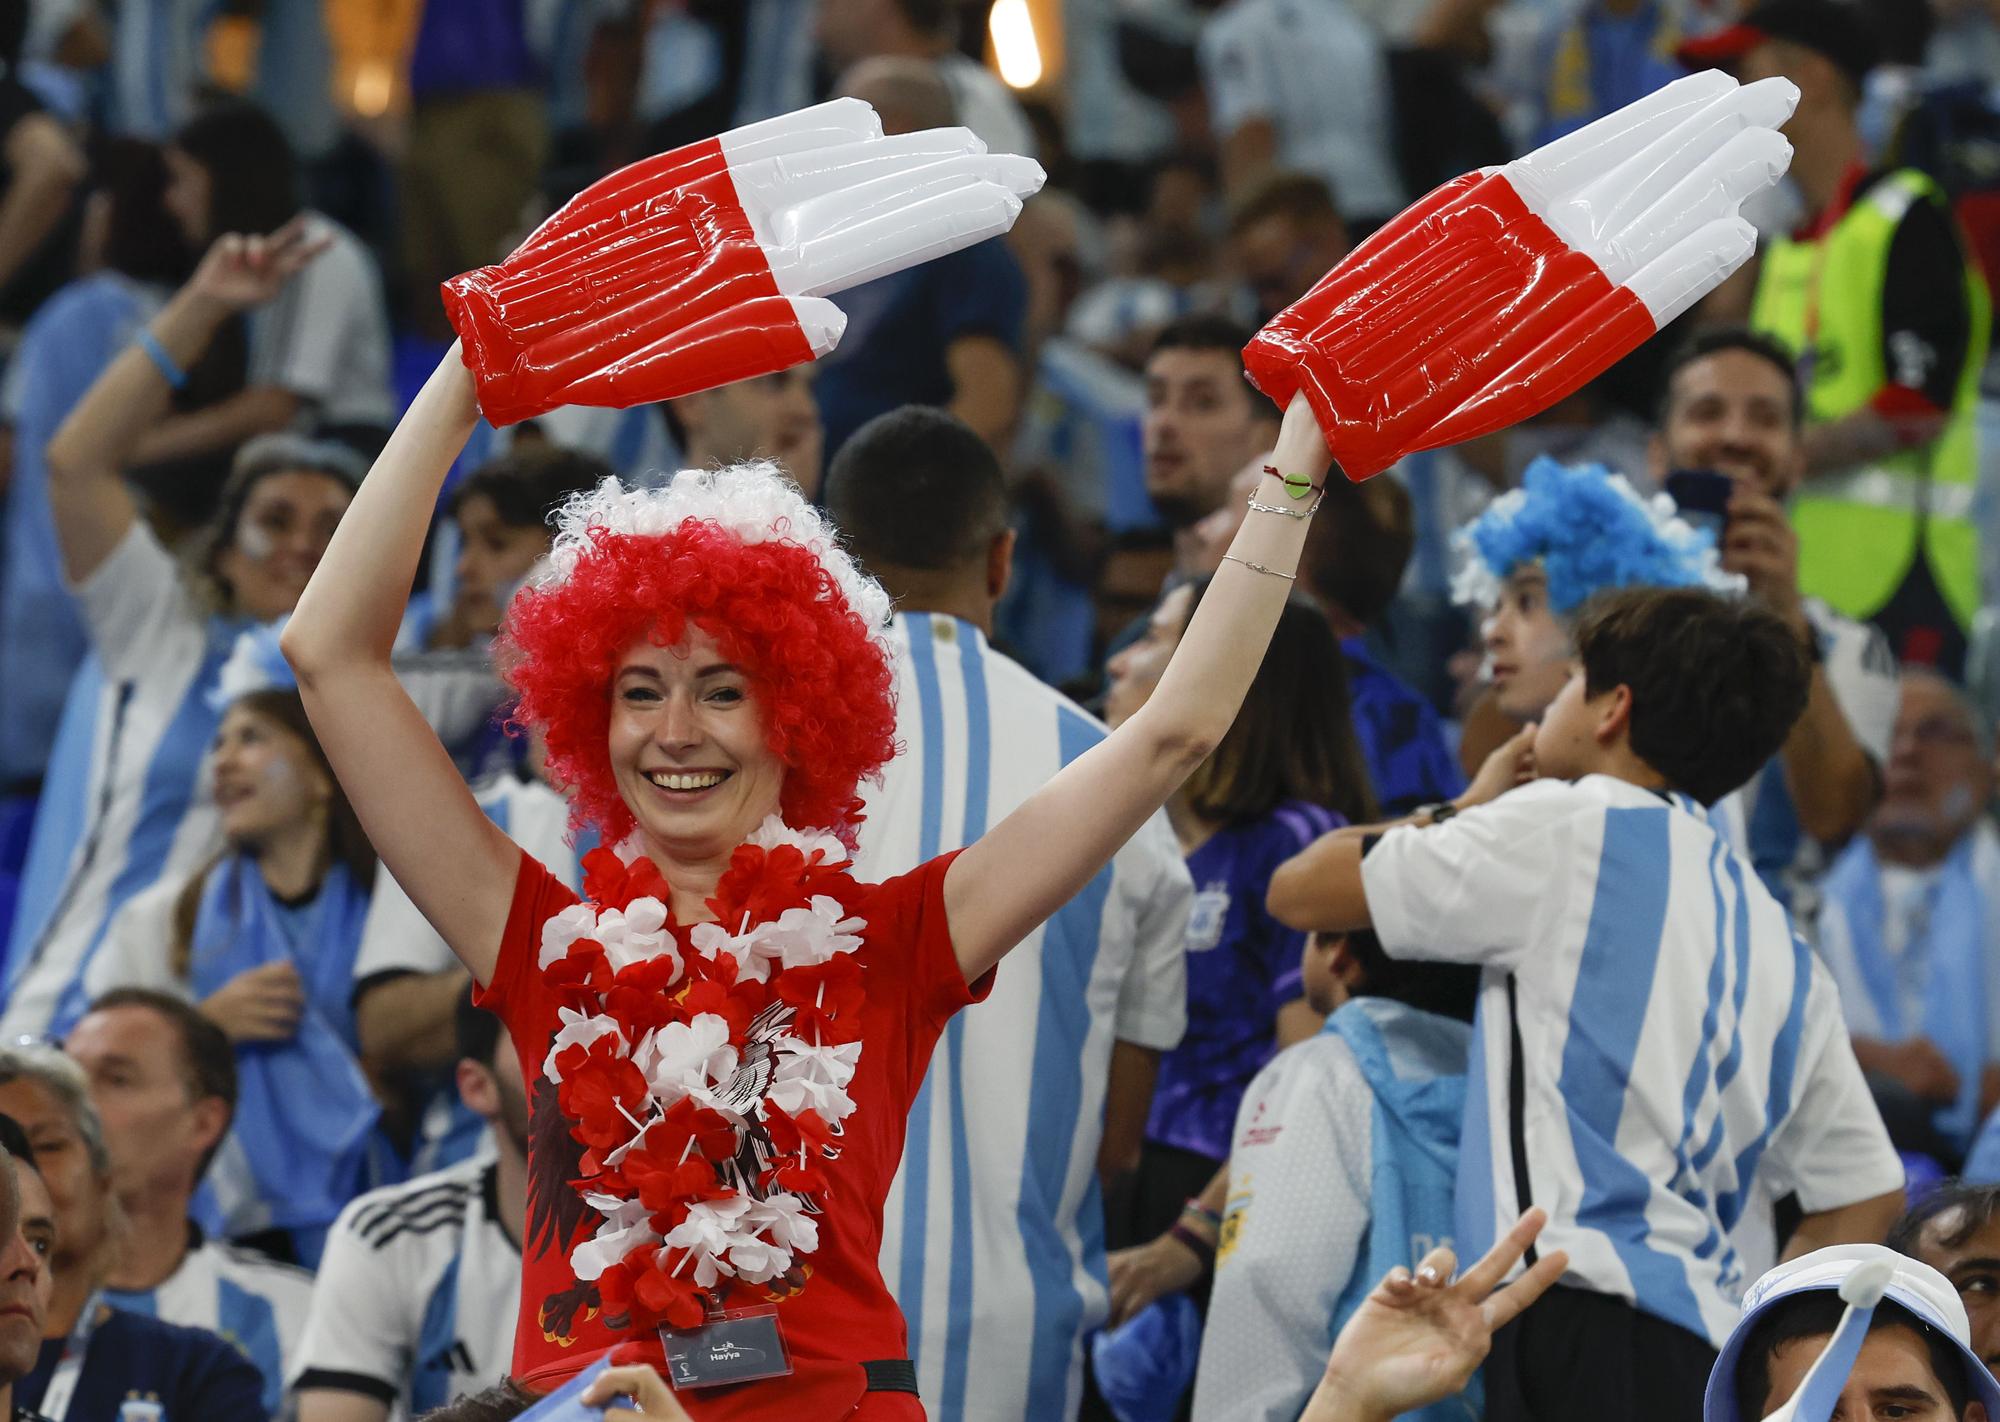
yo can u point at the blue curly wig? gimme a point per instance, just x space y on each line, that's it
1590 531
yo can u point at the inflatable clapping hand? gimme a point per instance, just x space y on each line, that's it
1504 291
711 263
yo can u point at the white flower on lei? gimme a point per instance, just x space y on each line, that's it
774 832
626 1227
796 938
579 1029
783 1216
708 1232
687 1059
757 1260
753 958
576 921
815 1078
636 934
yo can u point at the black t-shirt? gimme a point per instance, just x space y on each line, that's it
1926 320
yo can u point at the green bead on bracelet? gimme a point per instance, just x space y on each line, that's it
1297 485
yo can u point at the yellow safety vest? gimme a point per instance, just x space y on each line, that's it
1861 530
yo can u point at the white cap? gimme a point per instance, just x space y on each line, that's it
1913 1284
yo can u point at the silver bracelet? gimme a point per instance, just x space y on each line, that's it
1261 507
1259 567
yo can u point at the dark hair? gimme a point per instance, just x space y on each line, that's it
13 31
208 1061
256 461
1203 331
1717 683
252 175
916 488
141 238
502 1402
1358 547
1448 989
1294 738
530 482
1732 338
1301 197
14 1141
931 17
1979 1202
347 842
476 1031
1817 1314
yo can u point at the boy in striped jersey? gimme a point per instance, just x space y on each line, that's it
418 1287
1654 1043
163 1080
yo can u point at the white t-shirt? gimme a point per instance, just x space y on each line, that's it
993 1237
325 337
245 1298
1680 1045
417 1294
1317 72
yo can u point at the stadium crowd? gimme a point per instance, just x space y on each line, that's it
1609 831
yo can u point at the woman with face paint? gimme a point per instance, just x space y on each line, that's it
264 937
122 804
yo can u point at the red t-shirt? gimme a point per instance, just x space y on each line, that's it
844 1316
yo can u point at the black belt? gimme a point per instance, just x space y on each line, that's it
891 1375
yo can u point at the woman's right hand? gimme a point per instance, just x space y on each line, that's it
239 272
259 1004
1146 1273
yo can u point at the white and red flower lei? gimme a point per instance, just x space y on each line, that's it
705 1069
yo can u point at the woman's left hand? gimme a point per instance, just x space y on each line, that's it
652 1399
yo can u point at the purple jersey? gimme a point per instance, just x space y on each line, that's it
1242 966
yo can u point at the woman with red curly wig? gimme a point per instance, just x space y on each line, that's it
724 1036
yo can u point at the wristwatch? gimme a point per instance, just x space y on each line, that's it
1438 811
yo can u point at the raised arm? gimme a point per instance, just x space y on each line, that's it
1031 863
456 866
90 451
47 168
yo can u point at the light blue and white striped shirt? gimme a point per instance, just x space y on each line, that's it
124 804
1682 1054
993 1233
253 1303
157 62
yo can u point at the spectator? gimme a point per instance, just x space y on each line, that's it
993 1241
319 345
772 417
1285 233
159 64
1594 58
163 1082
27 1237
652 1399
417 1293
946 332
1288 771
1340 1168
1354 562
1877 296
1953 1230
42 172
134 261
123 802
1303 85
1732 407
1203 423
1604 905
500 516
477 141
1910 926
97 1354
264 938
851 31
1915 1359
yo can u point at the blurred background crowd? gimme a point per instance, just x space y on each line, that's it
240 1054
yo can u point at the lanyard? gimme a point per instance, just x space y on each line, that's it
62 1382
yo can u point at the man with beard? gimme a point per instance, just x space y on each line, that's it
1203 423
1910 926
417 1292
1733 407
27 1235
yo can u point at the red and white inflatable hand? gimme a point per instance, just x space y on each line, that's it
1504 291
712 263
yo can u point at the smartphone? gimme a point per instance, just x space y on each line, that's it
1702 498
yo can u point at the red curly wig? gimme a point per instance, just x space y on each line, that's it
823 685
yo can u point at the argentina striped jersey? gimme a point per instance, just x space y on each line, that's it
1681 1054
993 1238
